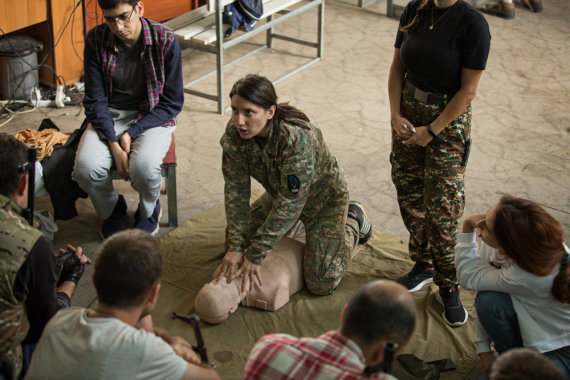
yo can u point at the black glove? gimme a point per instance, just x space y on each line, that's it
70 267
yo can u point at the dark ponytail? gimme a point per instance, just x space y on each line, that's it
412 25
259 90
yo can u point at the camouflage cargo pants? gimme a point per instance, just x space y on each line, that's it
430 185
11 363
330 240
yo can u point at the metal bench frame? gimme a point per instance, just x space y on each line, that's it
389 6
221 45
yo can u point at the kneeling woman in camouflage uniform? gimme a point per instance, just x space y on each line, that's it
277 145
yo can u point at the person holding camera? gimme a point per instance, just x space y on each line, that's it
34 283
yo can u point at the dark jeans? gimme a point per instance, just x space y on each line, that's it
497 315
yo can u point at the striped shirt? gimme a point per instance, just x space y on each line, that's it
163 71
329 356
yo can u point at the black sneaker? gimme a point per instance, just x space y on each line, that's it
421 274
356 211
149 224
117 222
454 314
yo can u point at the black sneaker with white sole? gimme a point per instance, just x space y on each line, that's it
420 275
149 224
454 314
356 211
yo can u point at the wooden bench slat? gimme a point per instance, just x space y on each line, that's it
190 31
208 36
269 6
188 18
274 6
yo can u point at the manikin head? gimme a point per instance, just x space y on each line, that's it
13 175
123 18
128 270
380 312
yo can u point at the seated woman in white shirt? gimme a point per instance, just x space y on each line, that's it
527 302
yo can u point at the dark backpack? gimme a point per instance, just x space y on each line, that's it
242 13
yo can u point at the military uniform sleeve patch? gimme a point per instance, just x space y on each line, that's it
293 183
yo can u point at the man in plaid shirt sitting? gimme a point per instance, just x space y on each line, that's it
380 314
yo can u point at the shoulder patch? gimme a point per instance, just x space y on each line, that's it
293 183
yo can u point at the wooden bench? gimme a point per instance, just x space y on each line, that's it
203 29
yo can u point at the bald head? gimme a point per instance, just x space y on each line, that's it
380 310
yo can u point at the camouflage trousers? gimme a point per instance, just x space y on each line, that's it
330 240
11 363
430 185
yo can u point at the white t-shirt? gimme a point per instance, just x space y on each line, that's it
75 346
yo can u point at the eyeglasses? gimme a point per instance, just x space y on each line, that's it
122 19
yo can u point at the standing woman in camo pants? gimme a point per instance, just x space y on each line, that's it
440 53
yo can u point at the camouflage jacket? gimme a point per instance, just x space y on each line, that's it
295 167
16 240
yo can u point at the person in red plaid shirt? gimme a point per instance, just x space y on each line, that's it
379 314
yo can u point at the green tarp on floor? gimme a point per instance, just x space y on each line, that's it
193 250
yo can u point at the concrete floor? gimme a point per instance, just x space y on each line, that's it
521 117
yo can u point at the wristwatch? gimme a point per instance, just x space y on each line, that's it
432 132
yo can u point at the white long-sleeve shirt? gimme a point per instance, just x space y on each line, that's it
544 322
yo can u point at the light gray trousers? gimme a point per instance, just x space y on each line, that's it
94 163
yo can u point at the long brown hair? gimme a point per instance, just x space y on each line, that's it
412 25
532 238
259 90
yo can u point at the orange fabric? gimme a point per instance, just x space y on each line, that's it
43 140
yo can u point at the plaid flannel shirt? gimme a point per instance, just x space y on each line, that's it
329 356
163 71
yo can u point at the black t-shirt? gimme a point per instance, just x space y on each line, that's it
129 83
433 59
35 285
